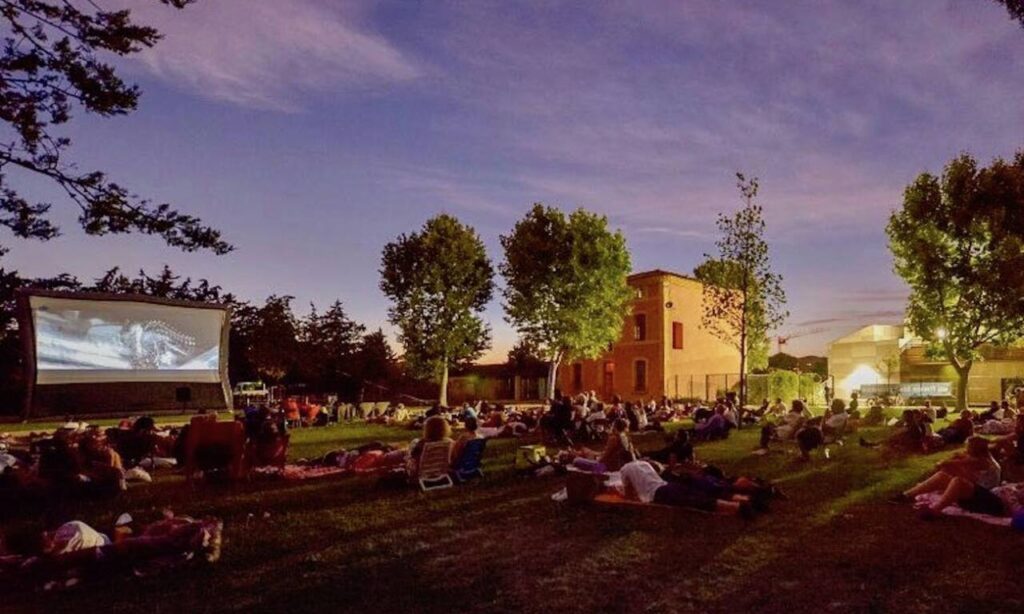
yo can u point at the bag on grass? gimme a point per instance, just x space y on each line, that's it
530 457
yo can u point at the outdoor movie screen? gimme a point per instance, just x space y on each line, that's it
94 340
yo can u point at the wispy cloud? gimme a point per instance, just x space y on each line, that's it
675 232
880 316
268 54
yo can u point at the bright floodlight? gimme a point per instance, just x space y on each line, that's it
861 376
940 333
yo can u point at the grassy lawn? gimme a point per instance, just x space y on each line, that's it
344 544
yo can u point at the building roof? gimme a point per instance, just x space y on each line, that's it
660 273
873 333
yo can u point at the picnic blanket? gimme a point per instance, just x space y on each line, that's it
300 472
1012 494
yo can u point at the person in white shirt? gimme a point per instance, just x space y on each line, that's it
641 482
837 418
73 536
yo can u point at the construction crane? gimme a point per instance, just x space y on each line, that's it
781 340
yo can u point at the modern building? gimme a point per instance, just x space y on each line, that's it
878 359
664 349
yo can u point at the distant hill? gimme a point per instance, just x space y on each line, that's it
806 364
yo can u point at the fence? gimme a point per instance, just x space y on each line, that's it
787 385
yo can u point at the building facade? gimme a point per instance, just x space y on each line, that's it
889 359
664 350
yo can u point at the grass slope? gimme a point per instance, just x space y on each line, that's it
499 545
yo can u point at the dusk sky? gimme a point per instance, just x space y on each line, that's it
313 132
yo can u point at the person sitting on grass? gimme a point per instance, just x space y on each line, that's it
468 434
641 482
618 450
1011 447
835 422
792 422
914 435
959 430
715 427
994 412
966 480
678 449
875 415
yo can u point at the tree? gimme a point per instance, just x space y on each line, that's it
958 242
750 299
272 332
50 63
1015 8
330 342
438 280
727 274
890 363
166 284
565 284
523 357
375 359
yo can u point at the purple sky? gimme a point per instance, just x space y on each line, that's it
312 134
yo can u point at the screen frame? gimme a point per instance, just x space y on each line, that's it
26 329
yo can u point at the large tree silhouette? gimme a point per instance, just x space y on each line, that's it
54 61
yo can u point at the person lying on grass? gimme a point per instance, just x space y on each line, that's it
959 430
76 550
379 457
683 467
914 434
966 480
641 482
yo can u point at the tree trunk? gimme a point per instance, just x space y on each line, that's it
442 397
961 387
743 355
743 382
553 375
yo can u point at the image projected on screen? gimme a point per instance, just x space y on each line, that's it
94 340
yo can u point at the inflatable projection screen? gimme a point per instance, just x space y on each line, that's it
88 353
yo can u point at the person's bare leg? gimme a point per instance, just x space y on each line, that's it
958 489
936 483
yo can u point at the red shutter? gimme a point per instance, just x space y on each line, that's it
677 335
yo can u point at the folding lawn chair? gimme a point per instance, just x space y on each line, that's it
435 461
467 466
